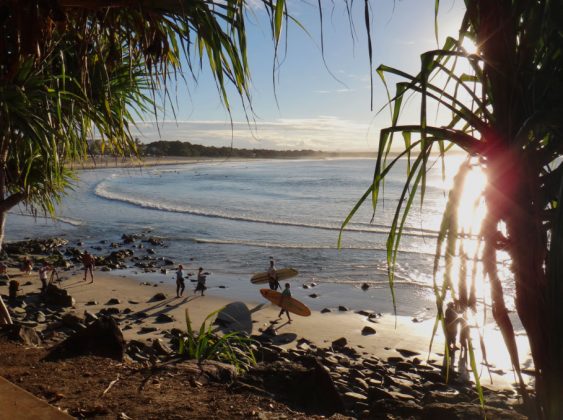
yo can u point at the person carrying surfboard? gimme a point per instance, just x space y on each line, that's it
285 294
273 276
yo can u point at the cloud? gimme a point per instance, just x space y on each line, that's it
319 133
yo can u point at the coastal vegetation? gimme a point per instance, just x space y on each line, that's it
232 347
504 101
178 148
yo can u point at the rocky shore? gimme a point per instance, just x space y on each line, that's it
330 364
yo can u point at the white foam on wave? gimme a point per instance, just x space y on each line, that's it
102 190
301 246
60 219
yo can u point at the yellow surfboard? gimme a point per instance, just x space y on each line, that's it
289 303
283 274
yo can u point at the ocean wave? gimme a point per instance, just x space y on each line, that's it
60 219
102 191
277 245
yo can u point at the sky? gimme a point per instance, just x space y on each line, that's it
318 101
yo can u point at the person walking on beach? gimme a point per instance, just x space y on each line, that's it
27 266
273 276
285 295
89 261
43 276
180 282
201 278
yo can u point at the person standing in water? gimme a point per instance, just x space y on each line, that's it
273 276
180 283
286 294
201 278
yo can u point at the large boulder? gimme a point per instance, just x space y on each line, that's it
57 296
100 338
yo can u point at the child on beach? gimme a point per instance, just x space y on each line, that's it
285 294
89 262
180 284
273 276
43 276
201 278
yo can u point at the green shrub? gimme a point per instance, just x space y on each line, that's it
233 348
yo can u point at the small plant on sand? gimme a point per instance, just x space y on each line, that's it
233 348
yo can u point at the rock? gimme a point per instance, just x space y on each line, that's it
339 343
89 317
40 317
155 241
57 296
140 315
100 338
161 348
133 302
407 353
325 310
305 286
416 320
113 301
22 334
127 311
72 320
91 303
368 330
364 313
355 396
158 297
393 360
343 308
365 286
109 311
163 318
313 295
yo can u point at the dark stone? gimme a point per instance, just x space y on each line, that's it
339 343
365 286
325 310
368 330
343 308
101 338
161 348
407 353
22 334
57 296
90 317
113 301
71 320
313 295
158 297
163 318
109 311
91 303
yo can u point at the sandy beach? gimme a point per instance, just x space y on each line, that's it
392 334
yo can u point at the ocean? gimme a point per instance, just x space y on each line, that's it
230 217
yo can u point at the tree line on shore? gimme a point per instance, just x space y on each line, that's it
187 149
